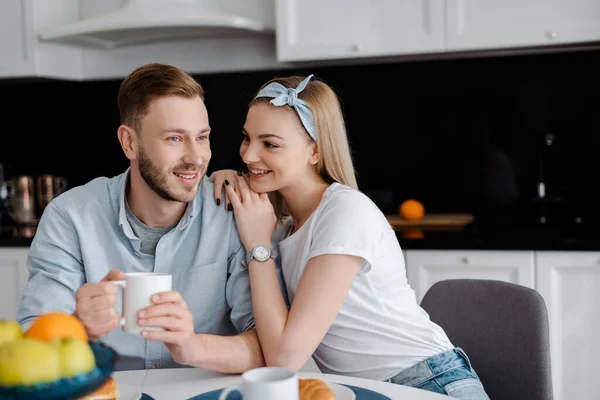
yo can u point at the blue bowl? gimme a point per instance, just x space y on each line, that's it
68 388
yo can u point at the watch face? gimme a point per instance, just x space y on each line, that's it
261 253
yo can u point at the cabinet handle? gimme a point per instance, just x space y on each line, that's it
465 260
550 35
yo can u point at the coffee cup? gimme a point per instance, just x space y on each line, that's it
268 383
138 289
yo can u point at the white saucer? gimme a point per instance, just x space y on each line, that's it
128 392
342 392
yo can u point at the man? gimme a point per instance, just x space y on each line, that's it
160 216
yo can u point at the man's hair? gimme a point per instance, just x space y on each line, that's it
148 83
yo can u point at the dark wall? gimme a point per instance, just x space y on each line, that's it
460 135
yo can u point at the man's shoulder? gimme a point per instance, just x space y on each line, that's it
209 205
100 189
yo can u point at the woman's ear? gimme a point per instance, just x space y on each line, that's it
315 156
127 138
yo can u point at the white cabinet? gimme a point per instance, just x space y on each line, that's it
492 24
426 267
569 283
24 54
319 30
341 29
16 38
21 54
13 278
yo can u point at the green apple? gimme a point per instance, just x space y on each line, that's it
76 357
10 330
27 362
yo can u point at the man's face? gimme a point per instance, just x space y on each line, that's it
173 148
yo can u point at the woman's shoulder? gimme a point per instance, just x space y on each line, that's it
341 197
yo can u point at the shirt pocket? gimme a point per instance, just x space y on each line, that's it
202 287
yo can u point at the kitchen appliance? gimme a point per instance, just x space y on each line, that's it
149 21
21 200
48 187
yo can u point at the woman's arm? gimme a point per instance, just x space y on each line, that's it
289 339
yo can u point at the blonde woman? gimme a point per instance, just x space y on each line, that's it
351 306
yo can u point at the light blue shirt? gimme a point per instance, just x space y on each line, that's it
84 232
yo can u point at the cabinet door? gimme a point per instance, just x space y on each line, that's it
426 267
16 38
569 283
492 24
333 29
13 278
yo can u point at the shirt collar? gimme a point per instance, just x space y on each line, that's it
192 210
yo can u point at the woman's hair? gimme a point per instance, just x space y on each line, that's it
335 160
148 83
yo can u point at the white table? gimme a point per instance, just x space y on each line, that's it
183 383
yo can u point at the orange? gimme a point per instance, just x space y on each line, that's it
412 210
55 326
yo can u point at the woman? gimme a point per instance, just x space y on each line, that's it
351 306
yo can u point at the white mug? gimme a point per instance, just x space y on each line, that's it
268 383
138 288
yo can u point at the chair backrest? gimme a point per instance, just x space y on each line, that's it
503 328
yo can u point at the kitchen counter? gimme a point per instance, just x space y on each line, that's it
472 237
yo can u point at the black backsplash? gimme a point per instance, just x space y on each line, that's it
465 135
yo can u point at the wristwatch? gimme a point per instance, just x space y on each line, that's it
260 253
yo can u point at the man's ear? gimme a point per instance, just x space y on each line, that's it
127 138
315 156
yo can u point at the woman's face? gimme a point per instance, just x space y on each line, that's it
275 148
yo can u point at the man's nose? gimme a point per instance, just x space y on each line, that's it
196 153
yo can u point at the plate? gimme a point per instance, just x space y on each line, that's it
342 392
129 392
68 388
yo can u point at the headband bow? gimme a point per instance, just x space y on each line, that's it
289 96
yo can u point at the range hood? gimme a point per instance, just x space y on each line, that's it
149 21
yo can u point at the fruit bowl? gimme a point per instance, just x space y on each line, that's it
69 388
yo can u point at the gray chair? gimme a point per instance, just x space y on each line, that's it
503 328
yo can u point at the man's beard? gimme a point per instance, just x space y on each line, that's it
157 180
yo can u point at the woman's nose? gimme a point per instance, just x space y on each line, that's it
249 154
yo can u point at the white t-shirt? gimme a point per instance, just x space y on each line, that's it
380 329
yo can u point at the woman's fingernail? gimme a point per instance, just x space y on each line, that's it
218 201
229 207
142 314
144 334
226 182
141 322
239 173
155 298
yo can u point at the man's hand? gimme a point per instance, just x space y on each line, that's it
170 312
95 305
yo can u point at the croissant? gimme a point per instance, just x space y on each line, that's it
315 389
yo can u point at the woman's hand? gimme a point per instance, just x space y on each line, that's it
219 178
254 214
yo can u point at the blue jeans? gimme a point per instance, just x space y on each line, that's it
449 373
